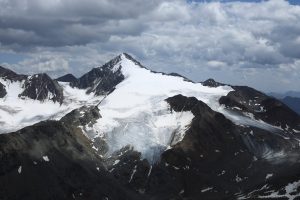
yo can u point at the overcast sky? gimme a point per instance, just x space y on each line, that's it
255 43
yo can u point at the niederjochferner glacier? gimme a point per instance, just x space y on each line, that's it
122 131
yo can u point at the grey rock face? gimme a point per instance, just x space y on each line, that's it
82 116
42 87
261 106
38 87
212 83
2 91
101 80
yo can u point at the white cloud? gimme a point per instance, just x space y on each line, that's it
42 63
240 43
215 64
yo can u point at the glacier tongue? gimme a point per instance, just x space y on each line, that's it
136 114
149 131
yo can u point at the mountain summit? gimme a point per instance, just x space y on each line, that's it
122 131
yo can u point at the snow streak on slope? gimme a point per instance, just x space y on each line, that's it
136 113
290 192
74 97
248 120
16 113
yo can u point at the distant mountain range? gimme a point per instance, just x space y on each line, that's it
285 94
290 98
292 102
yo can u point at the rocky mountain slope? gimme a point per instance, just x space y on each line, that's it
99 80
54 160
122 131
291 99
69 78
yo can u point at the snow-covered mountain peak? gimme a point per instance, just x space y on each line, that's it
124 61
136 112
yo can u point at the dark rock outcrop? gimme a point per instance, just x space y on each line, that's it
129 169
42 87
212 83
38 87
275 110
82 116
2 91
263 107
101 80
10 75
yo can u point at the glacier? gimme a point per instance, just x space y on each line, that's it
136 113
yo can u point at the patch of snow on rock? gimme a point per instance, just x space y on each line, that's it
269 176
206 189
45 158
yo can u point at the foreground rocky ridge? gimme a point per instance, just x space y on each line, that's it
59 161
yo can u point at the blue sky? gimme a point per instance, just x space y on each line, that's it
255 43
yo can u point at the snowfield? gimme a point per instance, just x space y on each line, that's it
17 113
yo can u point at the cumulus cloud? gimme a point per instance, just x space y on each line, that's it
59 23
45 64
41 64
235 42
